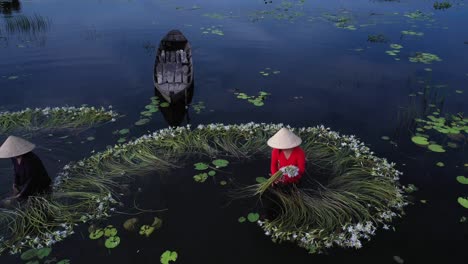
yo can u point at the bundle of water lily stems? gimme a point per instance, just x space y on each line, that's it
56 118
364 186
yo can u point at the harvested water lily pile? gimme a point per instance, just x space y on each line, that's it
87 190
44 119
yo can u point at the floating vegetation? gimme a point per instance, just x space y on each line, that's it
199 107
87 190
463 202
286 10
26 24
395 49
168 256
419 15
268 72
412 33
426 58
253 217
362 194
380 38
218 16
241 219
130 224
442 5
109 234
57 118
440 164
462 179
35 256
343 22
257 101
215 30
151 108
201 166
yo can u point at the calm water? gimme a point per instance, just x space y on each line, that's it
102 53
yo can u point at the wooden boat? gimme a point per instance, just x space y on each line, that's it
173 68
177 112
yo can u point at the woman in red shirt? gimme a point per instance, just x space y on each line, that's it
286 152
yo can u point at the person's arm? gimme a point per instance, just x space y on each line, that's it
26 189
274 161
301 163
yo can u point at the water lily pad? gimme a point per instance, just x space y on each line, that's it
142 121
463 219
146 230
398 259
96 234
201 177
462 179
110 231
440 164
201 166
220 163
29 254
90 138
164 104
64 261
463 202
260 179
223 183
459 91
13 77
241 219
212 173
157 222
253 217
124 131
436 148
168 256
420 140
121 140
112 242
43 252
33 262
129 224
385 138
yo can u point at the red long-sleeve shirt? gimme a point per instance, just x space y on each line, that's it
297 158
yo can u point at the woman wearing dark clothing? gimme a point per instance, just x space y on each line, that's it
31 177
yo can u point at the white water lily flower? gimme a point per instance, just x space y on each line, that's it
290 171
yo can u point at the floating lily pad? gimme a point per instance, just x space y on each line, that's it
13 77
157 222
220 163
64 261
96 234
260 179
90 138
201 166
112 242
121 140
110 231
168 256
241 219
223 183
146 230
420 140
43 252
436 148
212 173
462 179
253 217
201 177
164 104
129 224
459 91
142 121
463 202
385 138
398 259
463 219
33 262
440 164
124 131
29 254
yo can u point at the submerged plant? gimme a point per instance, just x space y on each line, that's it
26 24
57 118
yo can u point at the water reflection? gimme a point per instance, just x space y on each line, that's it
177 112
7 7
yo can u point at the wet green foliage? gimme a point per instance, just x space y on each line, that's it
199 107
151 108
168 256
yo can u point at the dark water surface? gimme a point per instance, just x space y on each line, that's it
102 53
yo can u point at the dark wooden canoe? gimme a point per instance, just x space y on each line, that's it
173 68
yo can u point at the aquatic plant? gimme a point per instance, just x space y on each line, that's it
87 190
426 58
199 107
215 30
269 71
255 100
168 256
26 24
380 38
442 5
419 15
57 118
362 193
412 33
340 21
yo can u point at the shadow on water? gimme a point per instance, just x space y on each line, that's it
178 111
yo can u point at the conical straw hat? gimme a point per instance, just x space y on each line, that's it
284 139
15 146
